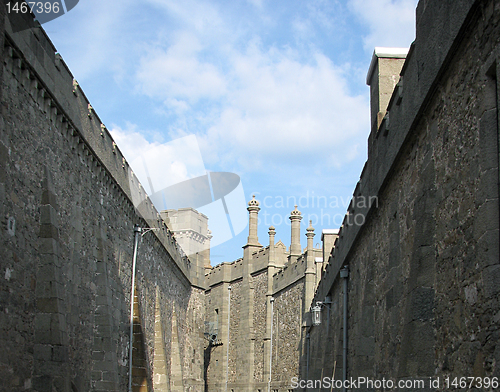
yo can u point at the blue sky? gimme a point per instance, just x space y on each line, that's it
273 90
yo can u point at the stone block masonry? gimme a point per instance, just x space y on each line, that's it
66 244
422 287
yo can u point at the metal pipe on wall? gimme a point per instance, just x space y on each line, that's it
308 342
137 233
344 274
271 348
228 330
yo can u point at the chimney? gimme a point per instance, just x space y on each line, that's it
295 249
382 77
328 237
253 218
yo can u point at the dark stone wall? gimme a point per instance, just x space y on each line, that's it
67 241
423 284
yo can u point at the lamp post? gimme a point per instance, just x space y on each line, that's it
228 330
271 349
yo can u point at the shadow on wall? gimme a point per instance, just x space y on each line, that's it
141 380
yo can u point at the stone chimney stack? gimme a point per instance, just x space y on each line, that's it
310 278
295 248
310 237
328 237
383 75
253 218
272 252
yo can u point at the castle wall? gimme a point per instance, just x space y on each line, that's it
259 324
67 243
288 339
423 283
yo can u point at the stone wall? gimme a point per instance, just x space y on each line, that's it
236 354
259 323
288 344
67 242
423 283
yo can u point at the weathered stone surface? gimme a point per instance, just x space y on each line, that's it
428 255
66 258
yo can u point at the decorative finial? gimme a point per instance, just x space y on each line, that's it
295 212
253 202
310 231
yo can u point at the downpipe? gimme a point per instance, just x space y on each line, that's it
228 330
344 274
271 344
137 234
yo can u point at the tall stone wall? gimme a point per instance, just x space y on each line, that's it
236 354
67 242
288 337
259 324
424 268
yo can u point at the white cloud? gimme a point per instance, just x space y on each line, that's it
271 104
177 73
391 22
159 165
197 15
101 42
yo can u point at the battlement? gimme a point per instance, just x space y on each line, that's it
32 59
260 259
292 272
224 272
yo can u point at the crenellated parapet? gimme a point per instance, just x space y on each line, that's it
292 272
31 58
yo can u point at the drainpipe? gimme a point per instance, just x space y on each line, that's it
137 233
344 274
308 341
228 329
271 349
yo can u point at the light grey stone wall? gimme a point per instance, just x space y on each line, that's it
236 354
259 323
288 343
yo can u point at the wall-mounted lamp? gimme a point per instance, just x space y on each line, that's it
316 310
316 313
